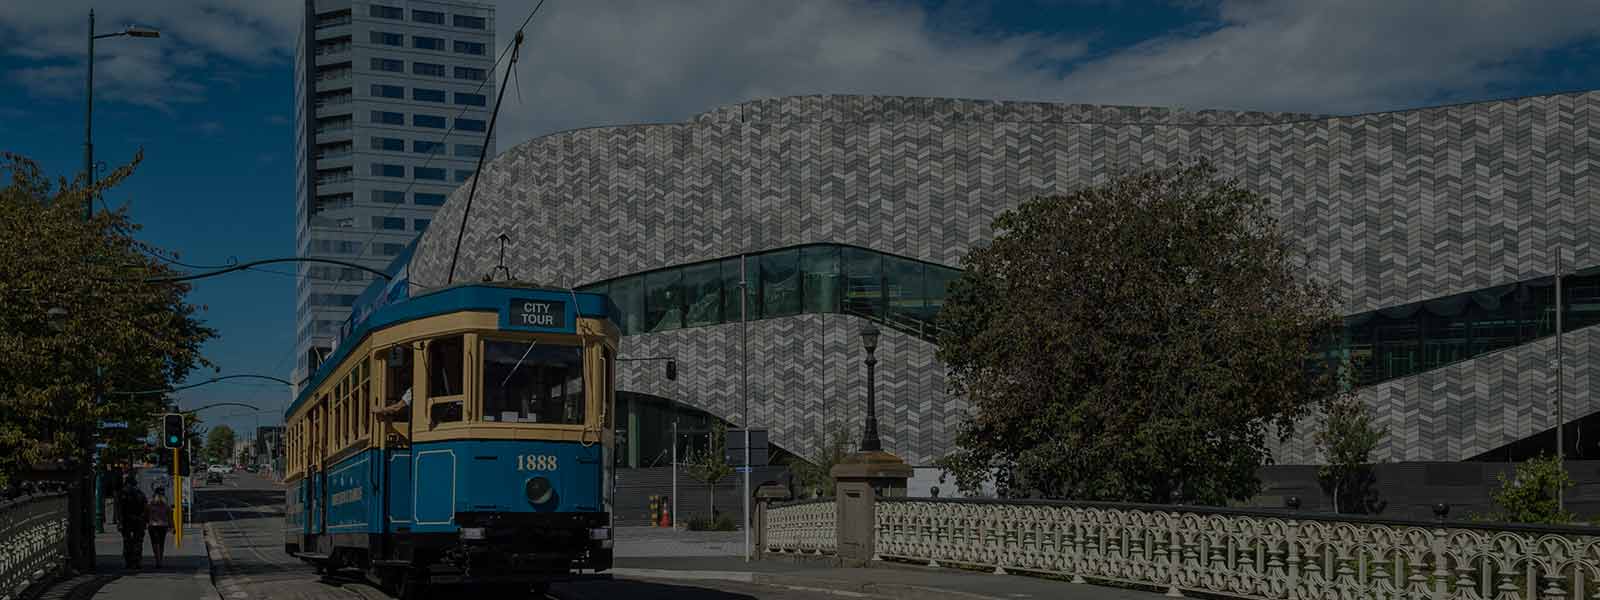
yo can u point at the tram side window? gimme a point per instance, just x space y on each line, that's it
445 362
397 381
537 384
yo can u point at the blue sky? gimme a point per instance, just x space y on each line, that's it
211 101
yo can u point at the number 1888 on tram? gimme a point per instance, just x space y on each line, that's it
459 436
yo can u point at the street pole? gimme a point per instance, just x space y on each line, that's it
1561 417
88 120
744 376
674 470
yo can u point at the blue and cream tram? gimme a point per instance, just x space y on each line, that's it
492 464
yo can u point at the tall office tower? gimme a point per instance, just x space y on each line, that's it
392 102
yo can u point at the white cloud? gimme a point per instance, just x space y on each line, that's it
159 73
608 62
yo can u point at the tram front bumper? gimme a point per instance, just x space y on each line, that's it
516 547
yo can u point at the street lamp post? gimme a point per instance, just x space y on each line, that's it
88 106
80 535
869 437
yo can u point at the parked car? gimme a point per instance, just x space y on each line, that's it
213 478
217 469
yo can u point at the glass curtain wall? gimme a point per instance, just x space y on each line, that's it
899 292
906 295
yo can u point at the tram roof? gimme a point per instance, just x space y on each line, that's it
474 296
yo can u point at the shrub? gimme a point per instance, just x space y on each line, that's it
721 522
1530 496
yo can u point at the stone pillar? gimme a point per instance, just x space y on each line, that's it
859 480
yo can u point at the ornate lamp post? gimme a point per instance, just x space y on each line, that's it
869 437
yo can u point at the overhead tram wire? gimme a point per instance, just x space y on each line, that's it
366 245
250 266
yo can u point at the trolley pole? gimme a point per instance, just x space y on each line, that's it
744 384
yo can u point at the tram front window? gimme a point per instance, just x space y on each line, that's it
532 383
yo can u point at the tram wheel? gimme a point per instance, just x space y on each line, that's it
541 589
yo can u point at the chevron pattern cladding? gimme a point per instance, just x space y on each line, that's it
1392 207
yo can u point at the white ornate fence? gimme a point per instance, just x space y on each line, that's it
33 534
1252 554
807 526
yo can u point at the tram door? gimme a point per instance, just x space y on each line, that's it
315 488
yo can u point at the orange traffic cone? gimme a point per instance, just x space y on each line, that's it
666 516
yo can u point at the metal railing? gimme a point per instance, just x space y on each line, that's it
806 526
33 540
1268 555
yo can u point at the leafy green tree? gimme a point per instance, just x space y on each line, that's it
712 465
118 332
1347 440
818 475
219 444
1530 496
1133 341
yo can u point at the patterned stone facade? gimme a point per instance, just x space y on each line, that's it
1393 207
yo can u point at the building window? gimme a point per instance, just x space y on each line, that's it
388 64
468 22
702 292
388 91
663 300
394 249
471 150
462 175
426 95
429 173
780 283
427 43
821 284
428 121
470 73
426 147
474 48
336 247
388 39
429 69
386 12
863 270
396 223
427 16
346 223
383 170
388 118
420 224
388 144
465 99
470 124
388 196
426 199
333 299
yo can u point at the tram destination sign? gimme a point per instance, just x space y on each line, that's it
551 314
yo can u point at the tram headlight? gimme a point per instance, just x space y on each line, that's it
539 490
472 533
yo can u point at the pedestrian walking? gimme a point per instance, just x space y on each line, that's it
160 521
131 523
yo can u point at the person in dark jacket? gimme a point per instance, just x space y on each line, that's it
132 523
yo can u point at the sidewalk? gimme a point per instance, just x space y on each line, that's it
882 579
185 573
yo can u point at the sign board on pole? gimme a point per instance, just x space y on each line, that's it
744 469
758 447
113 424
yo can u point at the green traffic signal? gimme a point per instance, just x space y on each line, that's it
172 424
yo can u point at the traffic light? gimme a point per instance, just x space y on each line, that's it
164 459
172 431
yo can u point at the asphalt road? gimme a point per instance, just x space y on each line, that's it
243 518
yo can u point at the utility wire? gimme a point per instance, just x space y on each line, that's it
483 153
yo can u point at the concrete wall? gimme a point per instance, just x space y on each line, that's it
1411 489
